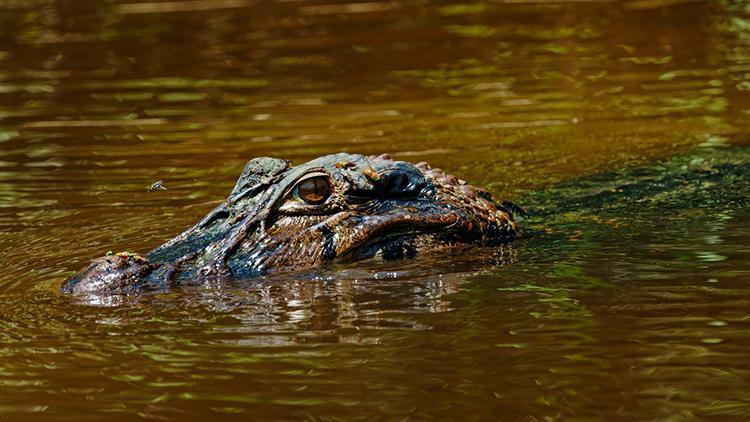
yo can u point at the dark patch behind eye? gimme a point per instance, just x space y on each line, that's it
401 183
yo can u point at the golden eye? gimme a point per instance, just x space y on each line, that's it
314 190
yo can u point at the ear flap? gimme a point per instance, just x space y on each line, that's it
258 172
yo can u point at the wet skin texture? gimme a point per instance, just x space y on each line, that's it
284 217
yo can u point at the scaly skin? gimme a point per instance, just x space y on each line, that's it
376 206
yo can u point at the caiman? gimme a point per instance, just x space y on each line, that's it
280 216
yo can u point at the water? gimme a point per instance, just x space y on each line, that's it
622 126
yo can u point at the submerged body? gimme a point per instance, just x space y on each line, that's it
284 217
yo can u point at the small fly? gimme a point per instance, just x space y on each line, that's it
157 185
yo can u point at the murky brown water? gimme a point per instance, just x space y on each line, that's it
627 313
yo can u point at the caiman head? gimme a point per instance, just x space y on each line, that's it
284 217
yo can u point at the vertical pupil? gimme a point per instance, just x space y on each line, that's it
315 190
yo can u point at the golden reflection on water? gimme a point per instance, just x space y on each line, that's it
633 314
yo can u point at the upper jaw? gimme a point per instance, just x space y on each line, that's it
111 274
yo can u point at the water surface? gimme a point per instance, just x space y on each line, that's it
622 126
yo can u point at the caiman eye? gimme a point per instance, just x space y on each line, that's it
314 190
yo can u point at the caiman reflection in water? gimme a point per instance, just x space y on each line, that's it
281 217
